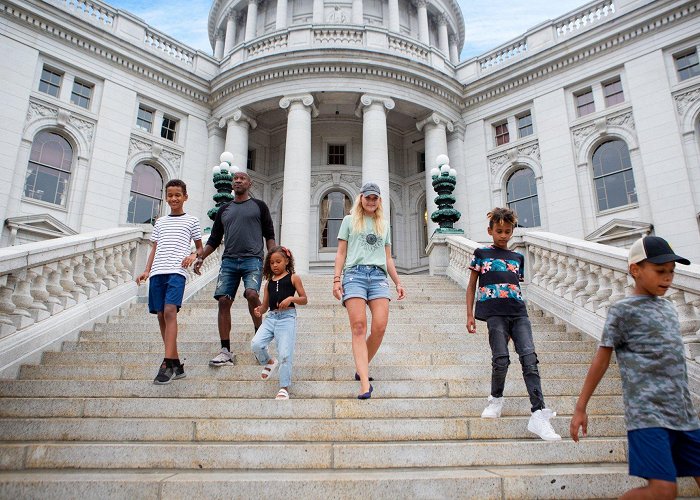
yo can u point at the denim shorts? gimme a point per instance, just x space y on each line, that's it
365 282
248 269
665 454
165 289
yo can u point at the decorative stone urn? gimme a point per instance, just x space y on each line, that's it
444 182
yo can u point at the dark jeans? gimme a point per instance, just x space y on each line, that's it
501 329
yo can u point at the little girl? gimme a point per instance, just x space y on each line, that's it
280 323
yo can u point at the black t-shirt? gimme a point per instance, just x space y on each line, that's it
498 289
242 225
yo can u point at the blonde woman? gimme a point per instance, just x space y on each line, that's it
364 257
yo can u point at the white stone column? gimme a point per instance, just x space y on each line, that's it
318 11
281 17
296 191
358 16
237 127
423 31
435 128
455 150
454 51
251 21
375 149
216 144
219 45
230 38
394 16
443 43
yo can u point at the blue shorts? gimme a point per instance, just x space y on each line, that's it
165 289
660 453
248 269
365 282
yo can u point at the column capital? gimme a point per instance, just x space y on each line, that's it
256 2
366 100
442 19
435 119
238 115
214 126
233 14
220 34
452 39
459 128
305 99
420 3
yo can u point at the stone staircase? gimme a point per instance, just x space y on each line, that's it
88 421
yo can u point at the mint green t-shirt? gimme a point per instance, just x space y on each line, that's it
364 248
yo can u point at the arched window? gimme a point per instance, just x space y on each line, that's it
49 169
146 195
612 175
334 206
521 194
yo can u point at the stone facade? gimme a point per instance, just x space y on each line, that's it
315 97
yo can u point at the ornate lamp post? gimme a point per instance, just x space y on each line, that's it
444 181
222 176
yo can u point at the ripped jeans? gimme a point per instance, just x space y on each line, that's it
518 328
279 325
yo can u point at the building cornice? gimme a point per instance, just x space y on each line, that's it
546 63
52 27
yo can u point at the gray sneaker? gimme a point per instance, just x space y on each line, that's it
223 358
165 375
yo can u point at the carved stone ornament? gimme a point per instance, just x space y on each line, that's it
529 150
686 99
63 119
337 16
277 186
395 187
155 150
352 179
415 190
320 179
624 120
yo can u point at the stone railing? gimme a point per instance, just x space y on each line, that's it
339 36
588 15
576 281
168 47
54 288
94 11
268 45
504 54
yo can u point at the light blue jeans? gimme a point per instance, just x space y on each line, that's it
281 326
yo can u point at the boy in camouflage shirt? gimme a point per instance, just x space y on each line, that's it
663 429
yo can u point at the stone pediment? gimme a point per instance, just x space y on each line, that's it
620 231
37 227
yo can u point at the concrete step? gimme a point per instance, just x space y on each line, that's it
129 369
516 404
332 343
289 430
289 455
578 364
553 481
254 390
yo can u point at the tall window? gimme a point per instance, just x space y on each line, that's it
612 175
167 130
423 214
525 125
501 131
146 195
81 94
50 82
49 169
334 207
144 120
613 93
251 160
584 102
687 65
336 154
521 193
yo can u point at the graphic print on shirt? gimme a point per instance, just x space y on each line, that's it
498 290
371 241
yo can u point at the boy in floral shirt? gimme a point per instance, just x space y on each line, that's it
500 303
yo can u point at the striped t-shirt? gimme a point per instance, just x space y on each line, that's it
173 235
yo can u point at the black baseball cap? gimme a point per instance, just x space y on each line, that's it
655 250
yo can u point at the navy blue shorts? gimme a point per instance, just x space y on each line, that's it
660 453
248 269
165 289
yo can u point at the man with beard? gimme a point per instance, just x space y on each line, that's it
242 223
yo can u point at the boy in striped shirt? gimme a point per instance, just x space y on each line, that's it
170 256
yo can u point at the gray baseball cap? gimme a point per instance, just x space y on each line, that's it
370 188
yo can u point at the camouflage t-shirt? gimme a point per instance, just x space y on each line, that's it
645 333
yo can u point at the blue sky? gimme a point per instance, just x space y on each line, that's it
486 26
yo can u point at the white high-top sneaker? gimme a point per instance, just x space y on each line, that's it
540 425
493 410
